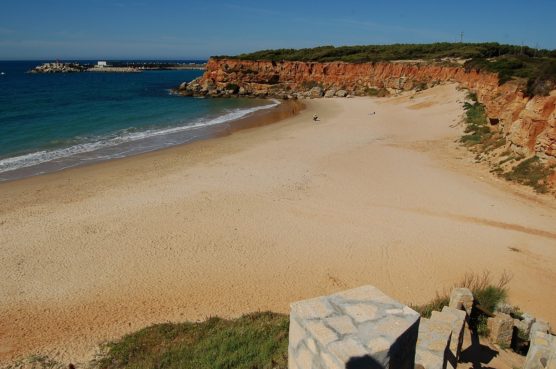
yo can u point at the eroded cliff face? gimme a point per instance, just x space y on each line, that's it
528 124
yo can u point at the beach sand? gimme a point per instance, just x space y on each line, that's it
262 218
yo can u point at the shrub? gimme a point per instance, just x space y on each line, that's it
372 53
531 172
477 129
487 293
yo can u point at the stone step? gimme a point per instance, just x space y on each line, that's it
456 319
542 352
433 343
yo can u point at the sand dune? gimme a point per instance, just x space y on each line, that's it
262 218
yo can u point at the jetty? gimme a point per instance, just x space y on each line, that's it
115 67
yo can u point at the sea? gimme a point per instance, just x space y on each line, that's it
49 122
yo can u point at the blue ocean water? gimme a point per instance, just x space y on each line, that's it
53 121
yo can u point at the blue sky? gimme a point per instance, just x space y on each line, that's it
181 29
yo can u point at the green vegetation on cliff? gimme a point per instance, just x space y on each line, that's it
477 131
531 172
374 53
537 66
481 139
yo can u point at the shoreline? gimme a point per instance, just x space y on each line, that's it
259 219
282 110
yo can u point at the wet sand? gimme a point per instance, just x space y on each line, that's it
264 217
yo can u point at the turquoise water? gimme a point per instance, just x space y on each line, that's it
50 122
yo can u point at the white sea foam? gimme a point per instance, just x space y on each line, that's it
40 157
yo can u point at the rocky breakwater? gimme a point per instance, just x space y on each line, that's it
527 123
58 67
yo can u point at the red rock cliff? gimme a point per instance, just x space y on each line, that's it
529 124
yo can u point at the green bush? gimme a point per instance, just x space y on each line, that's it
487 293
481 326
531 172
489 296
540 73
477 130
373 53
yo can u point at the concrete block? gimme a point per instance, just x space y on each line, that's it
456 319
433 344
362 327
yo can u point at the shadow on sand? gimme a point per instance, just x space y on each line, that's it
477 354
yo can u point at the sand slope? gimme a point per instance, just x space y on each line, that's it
262 218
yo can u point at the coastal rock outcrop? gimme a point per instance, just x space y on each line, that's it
527 122
58 67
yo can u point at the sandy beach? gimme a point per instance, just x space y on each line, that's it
264 217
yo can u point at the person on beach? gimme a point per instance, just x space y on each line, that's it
315 117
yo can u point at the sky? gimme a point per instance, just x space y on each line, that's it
186 29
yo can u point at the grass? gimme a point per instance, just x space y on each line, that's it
436 304
531 172
254 341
